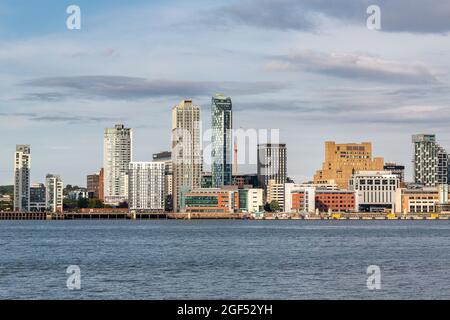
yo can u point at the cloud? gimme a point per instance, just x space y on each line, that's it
125 88
64 118
415 16
353 66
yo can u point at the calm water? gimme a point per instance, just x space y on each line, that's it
224 259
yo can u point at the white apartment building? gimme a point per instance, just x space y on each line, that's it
22 168
54 197
255 199
431 161
117 155
375 190
309 190
146 186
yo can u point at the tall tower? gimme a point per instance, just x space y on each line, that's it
272 163
187 155
117 155
222 148
431 161
22 168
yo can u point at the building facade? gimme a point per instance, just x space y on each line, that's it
222 149
54 197
272 164
212 200
166 157
117 155
187 158
22 171
146 186
310 200
417 200
93 186
343 160
396 169
431 161
37 197
375 190
275 192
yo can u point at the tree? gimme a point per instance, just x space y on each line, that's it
83 203
274 206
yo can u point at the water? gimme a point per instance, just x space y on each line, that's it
224 259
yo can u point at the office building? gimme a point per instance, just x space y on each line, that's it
222 149
37 197
416 200
396 169
22 169
431 161
342 160
93 186
272 164
118 153
146 186
212 200
312 199
54 196
375 190
187 158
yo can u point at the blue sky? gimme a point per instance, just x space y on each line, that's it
311 69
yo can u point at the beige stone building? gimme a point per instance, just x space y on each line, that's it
342 160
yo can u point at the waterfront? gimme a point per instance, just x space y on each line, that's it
224 259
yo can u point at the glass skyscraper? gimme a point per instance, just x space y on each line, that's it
221 153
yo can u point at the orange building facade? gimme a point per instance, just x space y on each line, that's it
342 160
335 200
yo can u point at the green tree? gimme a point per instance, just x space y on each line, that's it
274 206
83 203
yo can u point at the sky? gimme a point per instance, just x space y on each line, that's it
310 68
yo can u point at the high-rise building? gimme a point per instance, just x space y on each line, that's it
22 168
146 186
93 184
54 196
187 155
222 136
117 155
343 160
272 164
431 161
396 169
37 197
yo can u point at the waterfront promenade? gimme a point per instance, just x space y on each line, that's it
234 216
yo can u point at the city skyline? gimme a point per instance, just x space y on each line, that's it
296 74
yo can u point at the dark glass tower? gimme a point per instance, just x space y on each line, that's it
221 154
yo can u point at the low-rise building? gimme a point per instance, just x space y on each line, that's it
313 199
421 200
375 190
212 200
